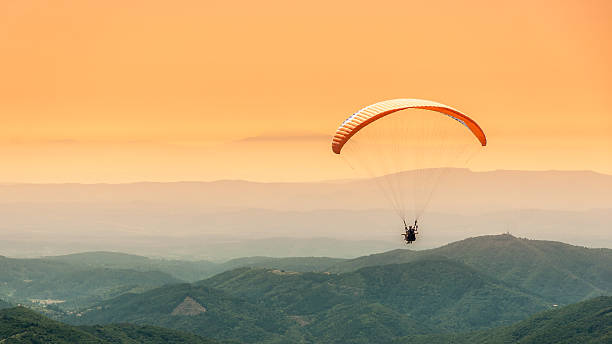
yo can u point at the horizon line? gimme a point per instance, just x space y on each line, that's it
340 180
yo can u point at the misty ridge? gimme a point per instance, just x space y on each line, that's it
227 219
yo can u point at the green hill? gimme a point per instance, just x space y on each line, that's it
81 288
390 257
4 304
361 323
447 294
374 304
103 259
198 309
437 295
587 322
24 279
12 269
294 293
189 271
559 272
299 264
20 325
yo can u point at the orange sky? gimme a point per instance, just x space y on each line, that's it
117 91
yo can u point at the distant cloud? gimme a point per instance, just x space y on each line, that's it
286 137
24 141
72 141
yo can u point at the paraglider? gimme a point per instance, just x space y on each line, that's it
411 232
406 146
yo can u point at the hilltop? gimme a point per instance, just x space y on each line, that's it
556 271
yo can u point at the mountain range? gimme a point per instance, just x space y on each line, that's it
472 285
585 322
557 272
229 219
471 290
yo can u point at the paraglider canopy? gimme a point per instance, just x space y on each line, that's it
407 146
376 111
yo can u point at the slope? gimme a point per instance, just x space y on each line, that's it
299 264
4 304
20 325
448 295
588 322
81 288
25 279
559 272
189 271
197 309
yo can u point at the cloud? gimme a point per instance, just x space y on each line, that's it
37 141
82 142
287 137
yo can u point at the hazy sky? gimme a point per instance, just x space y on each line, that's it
117 91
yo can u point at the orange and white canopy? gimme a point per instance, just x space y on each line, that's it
373 112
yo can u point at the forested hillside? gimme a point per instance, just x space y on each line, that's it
189 271
4 304
587 322
266 305
20 325
197 309
558 272
443 294
23 280
477 284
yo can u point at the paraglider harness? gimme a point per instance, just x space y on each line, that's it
411 232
